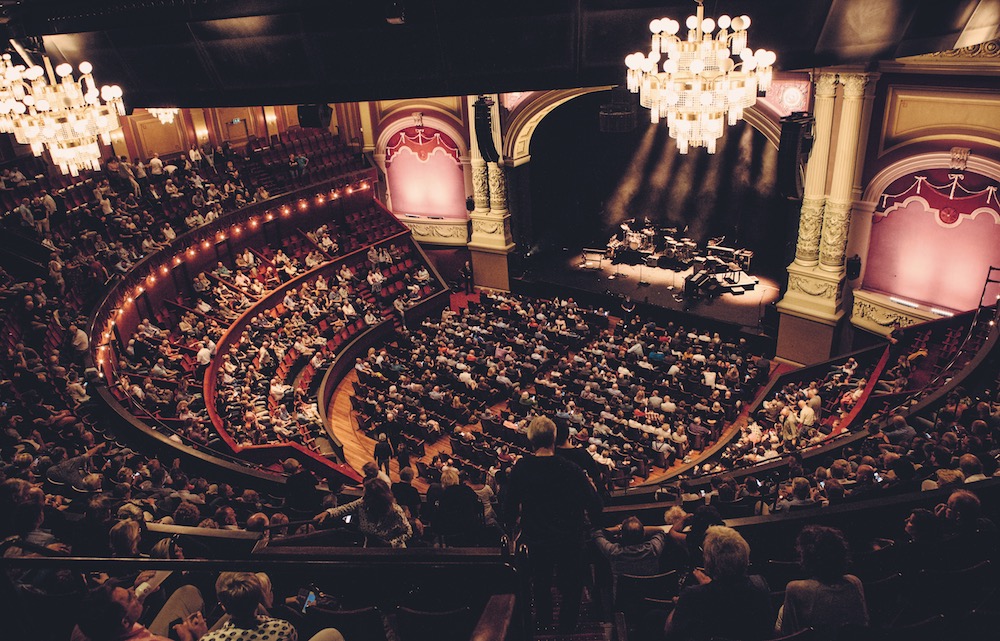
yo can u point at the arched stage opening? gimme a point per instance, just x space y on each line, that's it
584 183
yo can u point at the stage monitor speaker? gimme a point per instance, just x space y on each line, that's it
315 116
793 152
853 267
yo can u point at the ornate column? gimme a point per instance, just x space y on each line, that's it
491 237
837 218
814 196
480 183
812 307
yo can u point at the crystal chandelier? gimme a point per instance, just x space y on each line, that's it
164 114
49 110
705 81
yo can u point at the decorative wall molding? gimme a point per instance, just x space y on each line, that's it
437 232
430 120
988 50
491 232
974 60
487 226
921 162
814 287
915 114
814 294
836 224
451 105
876 313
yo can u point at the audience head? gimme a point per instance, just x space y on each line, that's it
923 527
378 498
632 532
449 477
963 507
726 552
822 552
801 488
240 594
970 465
124 539
108 612
542 433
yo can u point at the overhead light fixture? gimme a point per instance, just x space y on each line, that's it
164 114
50 111
706 80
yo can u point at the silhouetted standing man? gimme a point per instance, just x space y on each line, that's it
553 498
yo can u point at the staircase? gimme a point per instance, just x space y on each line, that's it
591 627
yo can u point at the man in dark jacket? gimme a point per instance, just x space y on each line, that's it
553 498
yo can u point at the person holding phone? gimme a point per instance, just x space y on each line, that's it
378 514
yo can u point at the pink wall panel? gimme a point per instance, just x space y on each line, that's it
433 186
914 255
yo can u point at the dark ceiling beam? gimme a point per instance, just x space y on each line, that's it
234 52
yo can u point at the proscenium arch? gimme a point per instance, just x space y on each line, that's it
919 162
517 140
429 120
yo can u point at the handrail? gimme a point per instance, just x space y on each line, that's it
496 619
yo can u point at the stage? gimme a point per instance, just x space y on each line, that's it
571 273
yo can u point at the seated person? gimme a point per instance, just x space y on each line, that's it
725 603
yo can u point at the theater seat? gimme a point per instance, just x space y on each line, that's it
364 623
423 625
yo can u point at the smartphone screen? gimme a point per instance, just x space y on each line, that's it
309 602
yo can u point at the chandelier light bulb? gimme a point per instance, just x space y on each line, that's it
708 80
55 112
164 114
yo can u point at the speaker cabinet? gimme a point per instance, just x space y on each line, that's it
315 116
793 153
